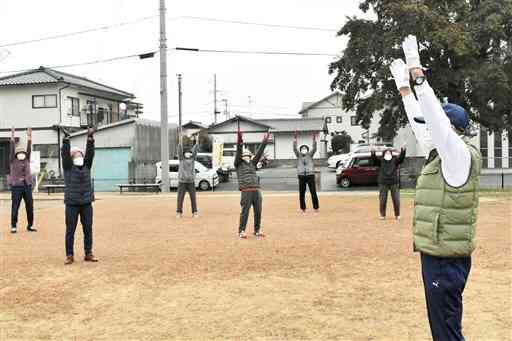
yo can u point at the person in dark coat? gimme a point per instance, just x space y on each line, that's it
20 180
388 179
306 172
79 194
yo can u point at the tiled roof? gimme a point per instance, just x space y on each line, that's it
44 75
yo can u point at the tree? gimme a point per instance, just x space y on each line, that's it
341 142
466 44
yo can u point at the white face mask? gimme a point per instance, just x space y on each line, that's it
303 151
388 157
247 159
188 155
78 161
21 156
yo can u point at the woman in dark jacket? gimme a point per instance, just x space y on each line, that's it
388 179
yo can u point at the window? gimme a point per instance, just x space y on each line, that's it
44 101
353 120
328 119
339 119
74 106
363 162
47 150
173 168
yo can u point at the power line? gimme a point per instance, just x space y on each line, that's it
287 53
70 34
241 22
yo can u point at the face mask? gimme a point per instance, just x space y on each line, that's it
188 155
303 151
78 161
388 157
247 159
21 156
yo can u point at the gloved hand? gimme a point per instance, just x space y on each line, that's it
412 55
239 137
400 73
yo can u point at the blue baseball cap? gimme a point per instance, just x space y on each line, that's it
458 116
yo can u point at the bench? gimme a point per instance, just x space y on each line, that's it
155 187
52 188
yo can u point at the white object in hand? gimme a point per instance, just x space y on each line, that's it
412 56
400 73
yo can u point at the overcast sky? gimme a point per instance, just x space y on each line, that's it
277 85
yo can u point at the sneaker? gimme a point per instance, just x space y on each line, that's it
179 215
259 234
242 235
398 218
90 258
382 218
69 260
195 215
31 229
13 229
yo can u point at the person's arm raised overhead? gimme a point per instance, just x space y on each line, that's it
195 148
313 149
261 149
239 142
375 159
65 152
453 151
295 137
89 150
401 157
12 145
29 143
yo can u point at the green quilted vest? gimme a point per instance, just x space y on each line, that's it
445 217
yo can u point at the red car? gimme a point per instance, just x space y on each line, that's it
360 170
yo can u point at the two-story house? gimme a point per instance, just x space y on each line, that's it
48 100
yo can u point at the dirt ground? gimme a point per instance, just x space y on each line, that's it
341 275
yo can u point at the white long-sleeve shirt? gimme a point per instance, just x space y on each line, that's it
453 151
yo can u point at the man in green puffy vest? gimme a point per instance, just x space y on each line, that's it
446 204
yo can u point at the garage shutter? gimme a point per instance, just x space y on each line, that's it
110 168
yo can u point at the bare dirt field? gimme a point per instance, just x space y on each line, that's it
341 275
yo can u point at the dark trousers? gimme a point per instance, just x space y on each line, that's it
444 280
72 214
17 194
247 200
308 180
182 189
383 198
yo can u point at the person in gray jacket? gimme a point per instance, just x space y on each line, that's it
305 172
249 185
186 179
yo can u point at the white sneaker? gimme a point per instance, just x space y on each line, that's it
382 218
179 215
13 230
195 215
398 218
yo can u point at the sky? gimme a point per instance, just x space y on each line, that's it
259 86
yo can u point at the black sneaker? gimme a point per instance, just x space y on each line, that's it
31 229
13 229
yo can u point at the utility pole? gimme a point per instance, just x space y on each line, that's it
226 113
215 98
179 109
164 128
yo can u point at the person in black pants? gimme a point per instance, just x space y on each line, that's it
20 180
78 195
388 179
306 172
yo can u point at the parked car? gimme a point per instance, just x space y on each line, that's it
205 178
359 170
228 159
206 159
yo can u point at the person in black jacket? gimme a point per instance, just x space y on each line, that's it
79 194
388 179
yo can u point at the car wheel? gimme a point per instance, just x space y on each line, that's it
204 185
345 182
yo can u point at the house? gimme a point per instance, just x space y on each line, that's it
280 146
192 128
48 100
126 151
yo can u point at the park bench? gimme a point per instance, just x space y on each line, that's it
52 188
153 186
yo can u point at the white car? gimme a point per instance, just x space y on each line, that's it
334 161
205 178
228 159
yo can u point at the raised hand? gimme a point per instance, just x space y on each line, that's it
91 131
13 133
29 134
412 55
239 137
295 135
400 73
266 137
313 135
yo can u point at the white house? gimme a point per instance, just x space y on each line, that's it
192 127
280 146
48 100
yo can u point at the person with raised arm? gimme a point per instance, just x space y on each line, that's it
78 194
446 201
186 179
306 172
21 181
248 183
